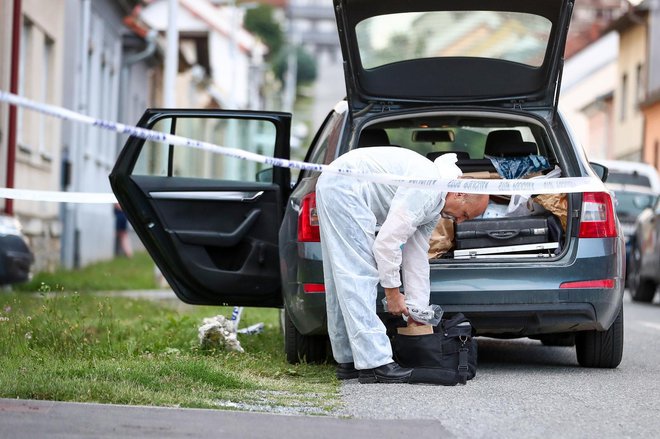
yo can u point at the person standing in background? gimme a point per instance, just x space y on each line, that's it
122 240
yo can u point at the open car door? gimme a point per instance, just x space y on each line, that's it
209 221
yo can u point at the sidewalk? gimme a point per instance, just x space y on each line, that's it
34 419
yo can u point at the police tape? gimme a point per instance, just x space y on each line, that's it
58 196
477 186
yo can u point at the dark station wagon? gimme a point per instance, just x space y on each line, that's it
477 78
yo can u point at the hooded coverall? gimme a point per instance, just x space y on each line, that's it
355 259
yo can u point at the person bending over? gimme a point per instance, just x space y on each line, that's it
356 259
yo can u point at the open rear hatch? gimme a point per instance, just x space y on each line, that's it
508 52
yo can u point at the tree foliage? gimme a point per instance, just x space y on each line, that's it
306 66
261 22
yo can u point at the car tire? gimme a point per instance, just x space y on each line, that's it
299 348
641 289
603 349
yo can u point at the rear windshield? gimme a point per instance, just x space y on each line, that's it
470 140
509 36
628 178
632 203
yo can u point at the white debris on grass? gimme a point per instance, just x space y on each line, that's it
219 332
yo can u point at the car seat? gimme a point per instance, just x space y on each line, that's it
508 143
373 137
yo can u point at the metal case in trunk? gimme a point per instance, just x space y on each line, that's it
508 231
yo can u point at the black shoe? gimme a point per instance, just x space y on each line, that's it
387 373
346 371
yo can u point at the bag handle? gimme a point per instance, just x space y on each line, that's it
503 234
463 361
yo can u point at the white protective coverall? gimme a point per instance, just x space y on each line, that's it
355 260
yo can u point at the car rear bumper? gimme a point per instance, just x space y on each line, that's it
520 299
523 320
508 299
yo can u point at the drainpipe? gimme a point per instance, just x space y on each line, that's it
70 239
13 88
149 50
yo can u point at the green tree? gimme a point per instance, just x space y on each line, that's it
261 22
306 66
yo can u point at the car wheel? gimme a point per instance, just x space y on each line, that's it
304 348
601 348
641 288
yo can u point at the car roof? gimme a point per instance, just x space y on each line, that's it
468 51
630 167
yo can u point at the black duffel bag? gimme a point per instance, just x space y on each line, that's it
446 357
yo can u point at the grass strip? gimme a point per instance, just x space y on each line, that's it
93 348
136 273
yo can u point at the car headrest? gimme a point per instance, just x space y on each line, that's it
508 143
373 137
461 155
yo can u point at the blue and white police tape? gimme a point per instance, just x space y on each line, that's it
479 186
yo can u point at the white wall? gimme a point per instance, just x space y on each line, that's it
5 64
92 79
232 50
588 75
629 125
38 146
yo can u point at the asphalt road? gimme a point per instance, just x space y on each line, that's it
522 389
525 389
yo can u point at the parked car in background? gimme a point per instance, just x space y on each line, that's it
226 231
630 201
632 174
644 268
16 258
635 185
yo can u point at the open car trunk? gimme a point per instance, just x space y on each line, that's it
488 146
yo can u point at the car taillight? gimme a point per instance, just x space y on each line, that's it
598 220
599 283
314 288
308 220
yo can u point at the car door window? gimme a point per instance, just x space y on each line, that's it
258 136
210 221
324 148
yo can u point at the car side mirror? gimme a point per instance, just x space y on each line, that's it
600 170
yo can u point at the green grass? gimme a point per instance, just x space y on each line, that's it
67 344
136 273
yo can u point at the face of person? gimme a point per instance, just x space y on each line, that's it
461 207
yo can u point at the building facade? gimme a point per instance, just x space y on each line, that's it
103 58
100 83
651 104
587 87
70 54
312 24
31 141
629 93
